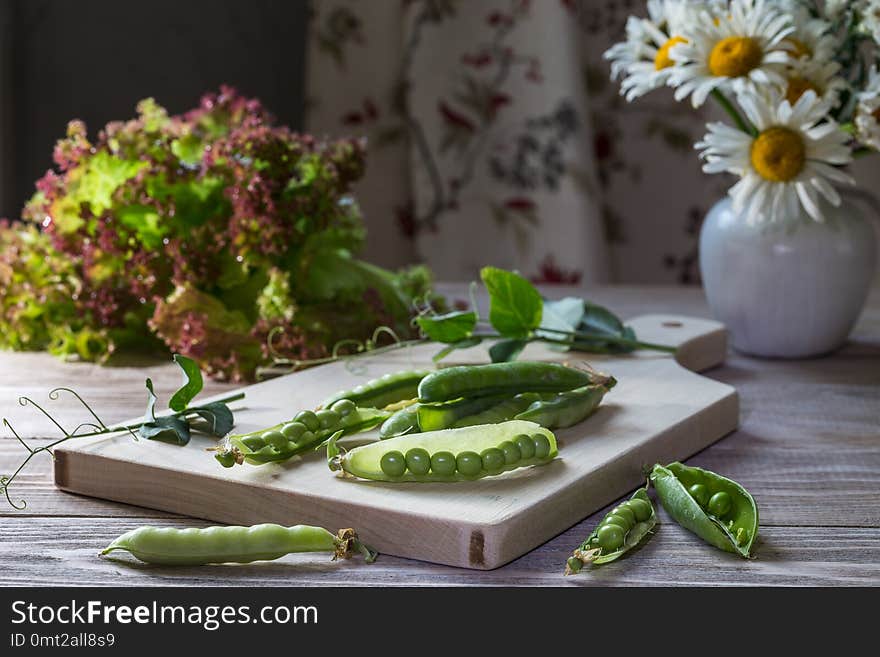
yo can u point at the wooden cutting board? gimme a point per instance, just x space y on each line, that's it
660 411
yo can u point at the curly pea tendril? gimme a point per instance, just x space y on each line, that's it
96 428
350 351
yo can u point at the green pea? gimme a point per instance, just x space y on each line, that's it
327 418
512 453
306 438
575 564
526 446
610 537
719 504
443 463
640 508
700 494
393 463
253 442
309 419
620 521
343 407
418 460
492 460
276 439
542 445
469 464
293 430
626 512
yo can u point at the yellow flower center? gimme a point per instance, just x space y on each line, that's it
735 57
779 154
663 60
798 48
797 87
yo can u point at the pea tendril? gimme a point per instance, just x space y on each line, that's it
100 428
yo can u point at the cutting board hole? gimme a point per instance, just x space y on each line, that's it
672 324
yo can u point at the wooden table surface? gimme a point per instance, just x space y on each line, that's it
808 449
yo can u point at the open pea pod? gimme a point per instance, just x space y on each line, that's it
715 508
461 454
307 431
622 529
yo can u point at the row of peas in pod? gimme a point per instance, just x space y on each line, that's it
715 508
347 412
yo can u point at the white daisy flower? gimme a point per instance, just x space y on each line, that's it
643 59
868 113
821 77
813 38
791 160
739 50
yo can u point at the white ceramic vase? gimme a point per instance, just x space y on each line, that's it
793 288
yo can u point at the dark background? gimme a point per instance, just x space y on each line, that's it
95 59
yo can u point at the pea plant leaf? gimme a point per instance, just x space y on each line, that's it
515 306
597 323
467 343
449 328
506 350
150 415
560 320
192 383
167 430
217 418
170 429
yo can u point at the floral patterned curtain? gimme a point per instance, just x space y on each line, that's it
496 137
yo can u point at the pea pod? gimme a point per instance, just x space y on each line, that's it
622 529
433 417
715 508
380 392
505 410
449 455
169 546
566 408
304 433
404 421
500 379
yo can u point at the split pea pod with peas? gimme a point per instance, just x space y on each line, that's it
463 454
306 431
715 508
622 529
169 546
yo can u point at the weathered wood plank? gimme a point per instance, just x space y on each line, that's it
65 552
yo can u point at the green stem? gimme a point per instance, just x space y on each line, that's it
741 122
623 342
